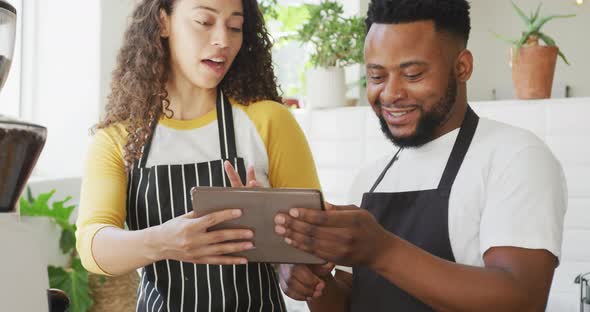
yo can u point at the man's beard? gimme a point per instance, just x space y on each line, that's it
428 122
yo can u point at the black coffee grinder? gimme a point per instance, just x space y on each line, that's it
23 273
20 142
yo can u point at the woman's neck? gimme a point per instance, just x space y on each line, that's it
188 101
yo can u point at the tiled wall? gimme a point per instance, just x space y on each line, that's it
344 139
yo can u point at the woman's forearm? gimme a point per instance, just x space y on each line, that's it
117 251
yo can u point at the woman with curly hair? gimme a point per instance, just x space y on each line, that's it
193 94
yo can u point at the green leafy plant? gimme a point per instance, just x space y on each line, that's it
268 9
72 278
335 40
532 34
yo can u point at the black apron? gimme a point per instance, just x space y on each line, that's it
160 193
421 218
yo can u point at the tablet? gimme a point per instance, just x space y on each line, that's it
259 207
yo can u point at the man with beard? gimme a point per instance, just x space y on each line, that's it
466 214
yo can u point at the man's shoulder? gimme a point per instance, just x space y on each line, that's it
514 151
493 132
502 140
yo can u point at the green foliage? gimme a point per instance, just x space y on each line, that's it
336 40
268 8
533 25
291 17
73 279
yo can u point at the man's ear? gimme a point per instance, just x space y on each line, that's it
165 24
464 65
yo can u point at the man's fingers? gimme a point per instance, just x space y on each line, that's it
291 292
286 224
323 269
232 174
328 250
333 218
299 282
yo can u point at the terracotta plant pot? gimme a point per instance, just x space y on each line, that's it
533 71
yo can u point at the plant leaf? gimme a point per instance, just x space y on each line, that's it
75 283
30 198
503 38
536 15
519 45
549 41
62 212
67 241
544 20
37 207
292 16
520 13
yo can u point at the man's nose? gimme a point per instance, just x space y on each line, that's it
394 91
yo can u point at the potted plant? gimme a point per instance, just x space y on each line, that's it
335 41
86 292
268 8
533 64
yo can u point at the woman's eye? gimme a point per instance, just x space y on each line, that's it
236 29
204 23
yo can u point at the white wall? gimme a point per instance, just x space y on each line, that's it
69 52
75 46
114 20
63 84
491 55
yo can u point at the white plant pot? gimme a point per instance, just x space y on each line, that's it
326 88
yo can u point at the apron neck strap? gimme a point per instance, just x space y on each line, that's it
382 175
459 151
145 150
225 123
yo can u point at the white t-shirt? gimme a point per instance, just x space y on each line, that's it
510 190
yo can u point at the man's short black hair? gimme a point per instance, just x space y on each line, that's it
450 16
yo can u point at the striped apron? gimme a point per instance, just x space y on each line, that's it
160 193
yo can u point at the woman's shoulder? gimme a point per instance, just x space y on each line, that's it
114 134
265 111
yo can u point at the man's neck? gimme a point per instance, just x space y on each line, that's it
454 121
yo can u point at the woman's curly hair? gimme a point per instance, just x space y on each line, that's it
138 95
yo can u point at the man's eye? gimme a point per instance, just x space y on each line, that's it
415 76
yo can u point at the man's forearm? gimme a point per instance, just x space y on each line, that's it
448 286
335 297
